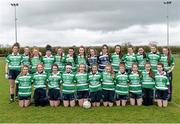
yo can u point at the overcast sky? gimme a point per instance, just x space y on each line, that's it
89 22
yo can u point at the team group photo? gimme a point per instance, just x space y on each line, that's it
88 61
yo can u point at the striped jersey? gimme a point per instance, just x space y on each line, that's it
60 61
26 60
164 60
68 83
129 60
24 85
94 82
70 59
153 58
161 81
102 61
107 81
115 61
48 62
81 60
92 60
141 61
40 80
81 80
14 61
54 80
135 83
121 81
34 61
147 81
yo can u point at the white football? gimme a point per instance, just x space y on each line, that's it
86 105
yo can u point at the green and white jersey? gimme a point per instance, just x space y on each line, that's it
153 58
95 82
14 61
129 60
26 60
72 61
48 62
107 81
121 81
34 62
54 80
81 60
141 61
60 61
115 61
164 60
81 81
68 83
161 81
25 85
135 83
40 80
147 81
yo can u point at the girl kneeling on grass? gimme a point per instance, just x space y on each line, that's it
82 87
161 85
68 86
148 85
54 80
108 86
95 86
122 88
24 81
40 82
135 86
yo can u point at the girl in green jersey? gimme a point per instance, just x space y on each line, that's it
81 58
95 86
82 87
168 60
161 85
12 69
25 86
135 86
116 58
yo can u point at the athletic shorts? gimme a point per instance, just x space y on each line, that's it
96 96
24 97
162 94
54 94
135 96
108 95
121 97
82 94
69 97
13 74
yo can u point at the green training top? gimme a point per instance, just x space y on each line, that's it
95 82
14 61
54 80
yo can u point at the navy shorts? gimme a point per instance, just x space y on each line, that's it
70 96
96 96
162 94
121 97
82 94
13 74
135 96
54 94
24 97
108 95
40 94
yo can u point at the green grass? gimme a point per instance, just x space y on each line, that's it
13 113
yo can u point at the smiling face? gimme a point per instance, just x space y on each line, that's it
122 69
82 68
68 69
165 51
117 49
81 51
134 68
130 50
36 52
54 69
40 68
159 68
15 49
141 51
104 49
71 52
26 51
147 67
92 52
153 49
24 70
108 69
59 51
94 69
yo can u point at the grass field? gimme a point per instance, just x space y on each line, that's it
13 113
